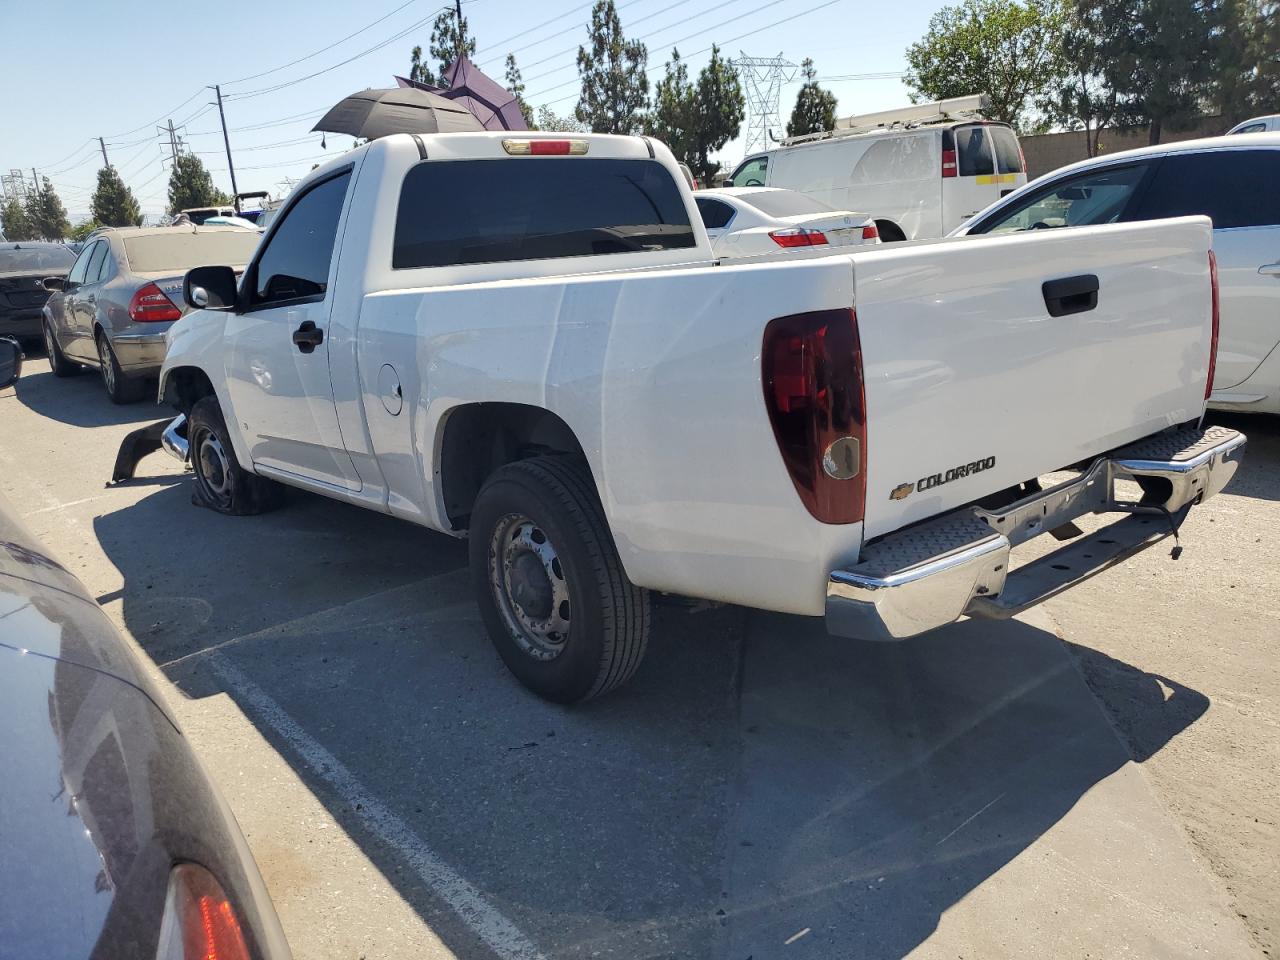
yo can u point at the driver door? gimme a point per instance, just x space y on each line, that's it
277 346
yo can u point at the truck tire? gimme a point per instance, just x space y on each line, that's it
58 362
120 389
221 483
552 592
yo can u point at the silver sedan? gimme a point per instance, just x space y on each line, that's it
123 293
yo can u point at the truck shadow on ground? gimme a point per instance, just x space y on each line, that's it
756 778
1260 475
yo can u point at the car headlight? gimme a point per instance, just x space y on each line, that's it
199 922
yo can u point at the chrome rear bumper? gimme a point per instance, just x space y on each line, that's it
931 574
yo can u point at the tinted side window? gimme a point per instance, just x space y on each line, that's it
493 211
1236 188
751 173
1008 156
1098 196
975 152
715 213
295 262
94 273
82 263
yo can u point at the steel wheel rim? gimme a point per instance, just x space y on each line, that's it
108 371
211 465
529 585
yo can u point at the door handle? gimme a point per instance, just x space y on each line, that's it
308 337
1270 269
1070 294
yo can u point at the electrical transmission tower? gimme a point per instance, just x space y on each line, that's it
762 80
13 186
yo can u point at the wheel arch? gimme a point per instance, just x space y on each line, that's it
475 439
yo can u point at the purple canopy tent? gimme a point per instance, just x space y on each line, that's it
489 101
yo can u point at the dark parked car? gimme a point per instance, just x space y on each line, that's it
23 268
115 843
123 293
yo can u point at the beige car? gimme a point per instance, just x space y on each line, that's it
123 292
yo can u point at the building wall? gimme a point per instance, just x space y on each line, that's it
1050 151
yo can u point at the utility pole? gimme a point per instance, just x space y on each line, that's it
231 167
103 145
457 6
35 181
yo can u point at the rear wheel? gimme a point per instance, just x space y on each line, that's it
559 608
120 389
221 483
58 363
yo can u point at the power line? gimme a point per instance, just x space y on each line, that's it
723 43
651 33
552 36
167 113
285 66
341 63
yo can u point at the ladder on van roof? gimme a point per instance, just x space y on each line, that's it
956 109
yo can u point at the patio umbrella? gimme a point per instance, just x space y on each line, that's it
489 101
379 113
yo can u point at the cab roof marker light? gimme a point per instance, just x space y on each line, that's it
546 148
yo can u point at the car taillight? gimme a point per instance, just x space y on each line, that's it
949 168
871 232
798 237
150 304
199 922
813 390
1213 336
546 148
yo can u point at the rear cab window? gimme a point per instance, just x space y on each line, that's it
455 212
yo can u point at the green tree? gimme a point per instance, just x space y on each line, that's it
1247 59
1083 96
82 230
719 109
673 114
815 109
16 223
449 38
113 203
46 213
549 120
191 186
1156 55
1005 49
615 89
515 83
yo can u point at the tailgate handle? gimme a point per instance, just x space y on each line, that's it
1070 294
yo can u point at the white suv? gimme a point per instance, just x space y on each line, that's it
1231 180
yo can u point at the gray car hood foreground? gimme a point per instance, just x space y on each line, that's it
100 795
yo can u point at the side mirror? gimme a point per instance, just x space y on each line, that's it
728 182
10 361
54 284
210 288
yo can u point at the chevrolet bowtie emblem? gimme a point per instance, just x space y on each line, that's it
901 491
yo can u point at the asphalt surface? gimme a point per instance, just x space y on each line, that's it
1096 779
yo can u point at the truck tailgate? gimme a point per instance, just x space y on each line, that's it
972 385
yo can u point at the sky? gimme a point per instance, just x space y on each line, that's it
121 70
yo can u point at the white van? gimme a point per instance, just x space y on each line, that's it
919 172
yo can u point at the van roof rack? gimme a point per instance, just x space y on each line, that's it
904 118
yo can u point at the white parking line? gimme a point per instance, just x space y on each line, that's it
481 917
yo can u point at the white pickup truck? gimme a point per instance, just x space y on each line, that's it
525 340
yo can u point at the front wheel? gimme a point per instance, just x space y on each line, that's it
551 589
221 483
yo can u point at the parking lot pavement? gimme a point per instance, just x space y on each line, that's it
759 790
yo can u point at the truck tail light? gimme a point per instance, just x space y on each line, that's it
949 168
871 232
799 237
1213 337
546 148
199 922
811 367
150 304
